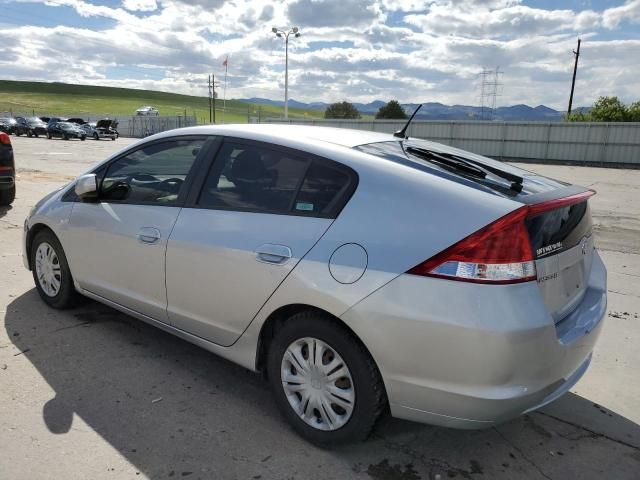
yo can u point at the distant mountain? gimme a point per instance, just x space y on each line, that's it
439 111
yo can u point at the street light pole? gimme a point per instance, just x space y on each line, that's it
282 34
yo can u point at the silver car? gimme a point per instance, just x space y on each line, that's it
362 272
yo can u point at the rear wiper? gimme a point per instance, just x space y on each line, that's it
454 163
515 180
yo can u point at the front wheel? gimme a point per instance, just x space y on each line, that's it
325 382
51 272
66 137
7 196
83 138
96 137
49 136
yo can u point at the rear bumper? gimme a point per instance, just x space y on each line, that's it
470 356
7 181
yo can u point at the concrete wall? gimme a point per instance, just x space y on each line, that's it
606 144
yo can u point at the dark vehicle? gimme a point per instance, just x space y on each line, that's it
65 130
77 121
30 127
45 119
7 171
54 120
7 125
103 129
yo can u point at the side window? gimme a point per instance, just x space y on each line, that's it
254 178
152 174
324 191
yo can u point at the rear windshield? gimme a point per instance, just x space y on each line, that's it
397 152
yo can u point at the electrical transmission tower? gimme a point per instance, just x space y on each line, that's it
490 90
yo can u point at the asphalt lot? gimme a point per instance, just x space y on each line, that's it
92 393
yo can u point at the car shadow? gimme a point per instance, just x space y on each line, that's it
171 408
4 209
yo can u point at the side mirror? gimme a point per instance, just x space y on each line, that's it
86 187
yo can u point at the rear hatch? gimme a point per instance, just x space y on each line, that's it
563 246
556 214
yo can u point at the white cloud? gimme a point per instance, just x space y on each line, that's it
630 12
140 5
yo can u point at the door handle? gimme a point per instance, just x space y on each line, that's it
149 235
274 254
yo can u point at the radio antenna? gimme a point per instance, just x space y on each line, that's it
401 133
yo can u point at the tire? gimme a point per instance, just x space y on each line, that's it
83 138
36 135
113 139
7 196
29 134
65 296
96 137
66 137
362 382
48 135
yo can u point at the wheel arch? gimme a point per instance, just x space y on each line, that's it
279 316
31 234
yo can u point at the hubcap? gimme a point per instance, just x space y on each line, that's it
48 269
318 384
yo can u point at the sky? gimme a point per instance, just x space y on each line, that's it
356 50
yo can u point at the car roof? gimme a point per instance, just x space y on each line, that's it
282 133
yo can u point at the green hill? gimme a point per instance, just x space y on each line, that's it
41 98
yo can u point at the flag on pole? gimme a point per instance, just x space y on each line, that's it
224 97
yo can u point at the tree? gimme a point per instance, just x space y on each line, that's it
633 112
341 110
608 109
391 110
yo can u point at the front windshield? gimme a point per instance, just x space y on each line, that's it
66 125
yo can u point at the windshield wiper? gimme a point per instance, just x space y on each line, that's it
468 165
456 164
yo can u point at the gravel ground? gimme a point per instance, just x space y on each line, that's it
92 393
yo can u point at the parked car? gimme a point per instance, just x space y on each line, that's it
361 271
53 120
45 119
102 129
7 125
147 111
77 121
65 130
30 126
7 171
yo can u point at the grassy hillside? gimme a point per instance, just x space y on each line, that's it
66 99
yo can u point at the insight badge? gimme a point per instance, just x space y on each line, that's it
546 250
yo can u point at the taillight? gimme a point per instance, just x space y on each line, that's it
5 139
499 253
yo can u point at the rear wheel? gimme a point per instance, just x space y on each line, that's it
325 382
83 138
48 135
66 137
96 137
7 196
29 134
51 272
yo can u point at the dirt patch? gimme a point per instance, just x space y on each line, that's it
40 176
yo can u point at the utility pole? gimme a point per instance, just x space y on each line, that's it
576 54
209 86
213 95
